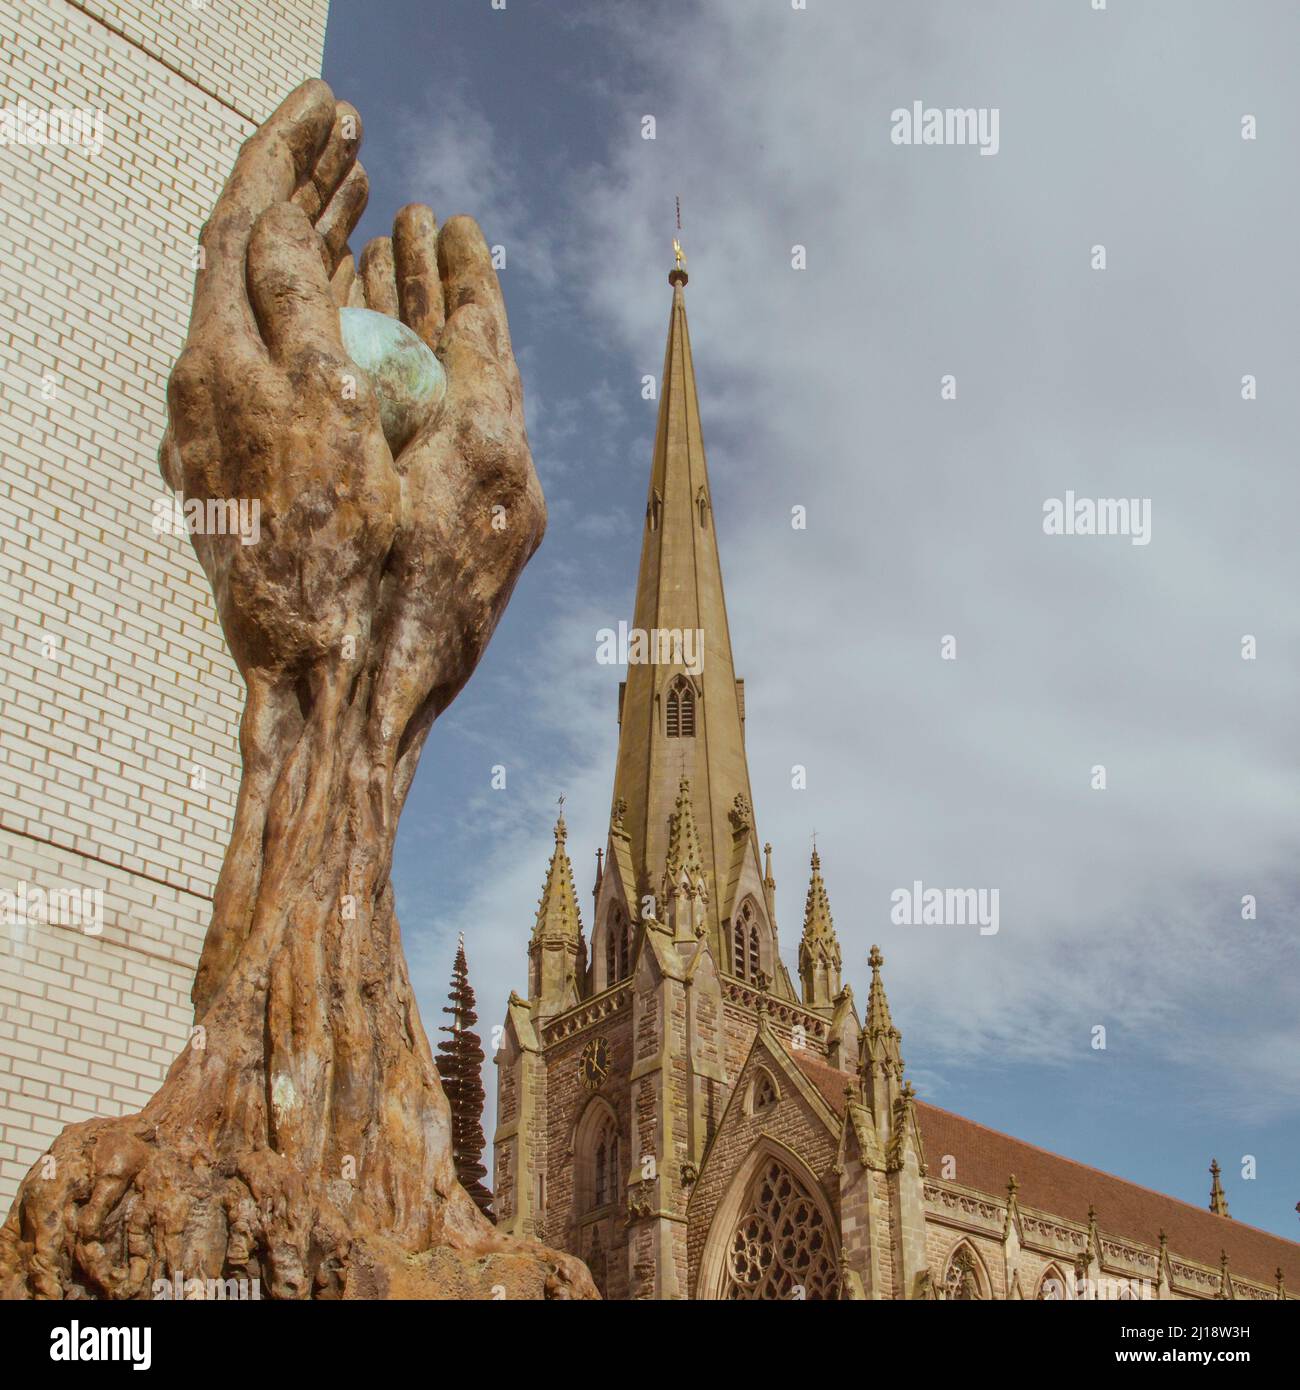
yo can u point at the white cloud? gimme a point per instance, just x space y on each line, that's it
821 388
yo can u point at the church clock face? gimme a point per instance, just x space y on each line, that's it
593 1068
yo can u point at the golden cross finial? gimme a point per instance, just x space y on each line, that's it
677 243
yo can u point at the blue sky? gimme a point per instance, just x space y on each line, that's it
820 388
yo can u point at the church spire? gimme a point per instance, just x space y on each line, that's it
819 950
680 709
556 944
1218 1198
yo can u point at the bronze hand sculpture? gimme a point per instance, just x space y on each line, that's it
303 1137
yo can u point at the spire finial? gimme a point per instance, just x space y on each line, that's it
875 960
677 275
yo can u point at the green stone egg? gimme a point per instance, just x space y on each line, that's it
407 377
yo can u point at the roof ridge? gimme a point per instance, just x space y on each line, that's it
1102 1172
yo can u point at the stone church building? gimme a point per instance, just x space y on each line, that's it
676 1111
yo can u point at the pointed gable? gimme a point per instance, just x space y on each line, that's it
802 1079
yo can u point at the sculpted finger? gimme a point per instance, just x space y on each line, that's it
415 261
334 163
377 276
343 213
344 278
465 266
271 165
287 284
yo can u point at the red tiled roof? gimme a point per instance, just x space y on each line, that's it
1050 1183
1053 1184
828 1081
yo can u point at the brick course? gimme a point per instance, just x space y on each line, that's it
115 683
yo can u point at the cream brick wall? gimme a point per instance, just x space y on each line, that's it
115 684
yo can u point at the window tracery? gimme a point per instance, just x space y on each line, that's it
780 1244
746 944
617 946
1052 1286
765 1092
962 1280
603 1162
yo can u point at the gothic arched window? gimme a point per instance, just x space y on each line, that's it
961 1281
746 944
1052 1286
764 1093
680 715
604 1164
617 946
781 1246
